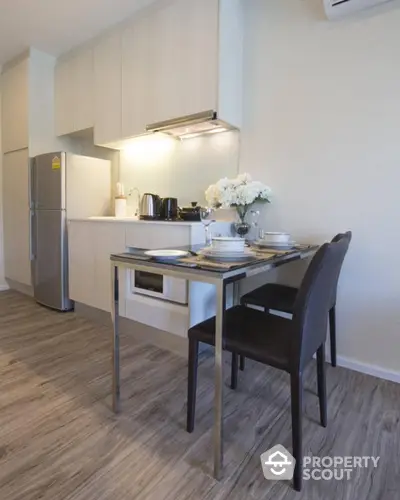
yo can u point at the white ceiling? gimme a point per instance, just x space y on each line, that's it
55 26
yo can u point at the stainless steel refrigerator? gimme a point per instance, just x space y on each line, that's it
62 185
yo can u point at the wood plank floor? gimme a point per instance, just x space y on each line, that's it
60 440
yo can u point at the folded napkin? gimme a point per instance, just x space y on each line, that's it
202 262
263 254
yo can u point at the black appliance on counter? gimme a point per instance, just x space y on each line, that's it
190 214
169 209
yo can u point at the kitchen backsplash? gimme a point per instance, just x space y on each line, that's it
181 169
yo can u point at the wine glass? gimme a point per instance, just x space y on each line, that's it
255 214
206 218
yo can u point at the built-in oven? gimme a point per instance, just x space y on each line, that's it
158 286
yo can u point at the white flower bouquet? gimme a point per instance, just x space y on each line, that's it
240 193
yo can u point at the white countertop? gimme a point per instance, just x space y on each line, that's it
133 220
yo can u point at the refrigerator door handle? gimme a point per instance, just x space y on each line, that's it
31 165
32 249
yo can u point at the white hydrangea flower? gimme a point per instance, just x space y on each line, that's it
241 191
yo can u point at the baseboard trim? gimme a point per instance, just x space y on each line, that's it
20 287
368 369
3 288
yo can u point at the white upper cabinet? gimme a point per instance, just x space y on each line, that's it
176 58
107 89
74 101
169 63
15 110
83 83
186 58
63 96
139 73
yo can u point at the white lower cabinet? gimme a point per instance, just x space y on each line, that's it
90 246
16 217
81 262
153 236
108 239
160 314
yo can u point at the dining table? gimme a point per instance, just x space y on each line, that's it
197 268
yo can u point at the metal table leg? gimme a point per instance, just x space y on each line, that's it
236 293
115 352
218 424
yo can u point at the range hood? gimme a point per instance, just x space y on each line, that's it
186 127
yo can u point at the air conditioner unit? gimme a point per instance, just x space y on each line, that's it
336 9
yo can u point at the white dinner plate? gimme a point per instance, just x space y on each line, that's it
275 246
227 256
166 254
227 238
229 253
213 251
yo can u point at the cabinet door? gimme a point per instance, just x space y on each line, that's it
63 95
109 239
16 217
107 89
83 101
14 93
138 76
151 236
73 92
186 57
202 48
81 262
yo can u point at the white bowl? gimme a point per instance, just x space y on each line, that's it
276 237
228 244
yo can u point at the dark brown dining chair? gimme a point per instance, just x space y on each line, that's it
277 297
286 344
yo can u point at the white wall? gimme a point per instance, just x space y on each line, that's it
322 105
181 169
2 279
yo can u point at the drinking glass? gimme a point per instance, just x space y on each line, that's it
255 215
206 214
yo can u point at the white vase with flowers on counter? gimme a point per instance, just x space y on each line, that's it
240 193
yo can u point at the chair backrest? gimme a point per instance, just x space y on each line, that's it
337 238
314 300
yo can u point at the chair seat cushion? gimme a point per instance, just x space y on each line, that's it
251 333
272 296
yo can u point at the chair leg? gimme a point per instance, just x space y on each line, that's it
234 371
332 334
192 383
296 382
321 378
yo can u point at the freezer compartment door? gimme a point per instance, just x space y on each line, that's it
48 182
50 259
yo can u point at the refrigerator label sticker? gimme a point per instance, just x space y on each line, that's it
56 163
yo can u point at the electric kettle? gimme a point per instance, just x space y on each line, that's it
150 206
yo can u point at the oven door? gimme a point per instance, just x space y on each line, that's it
159 286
